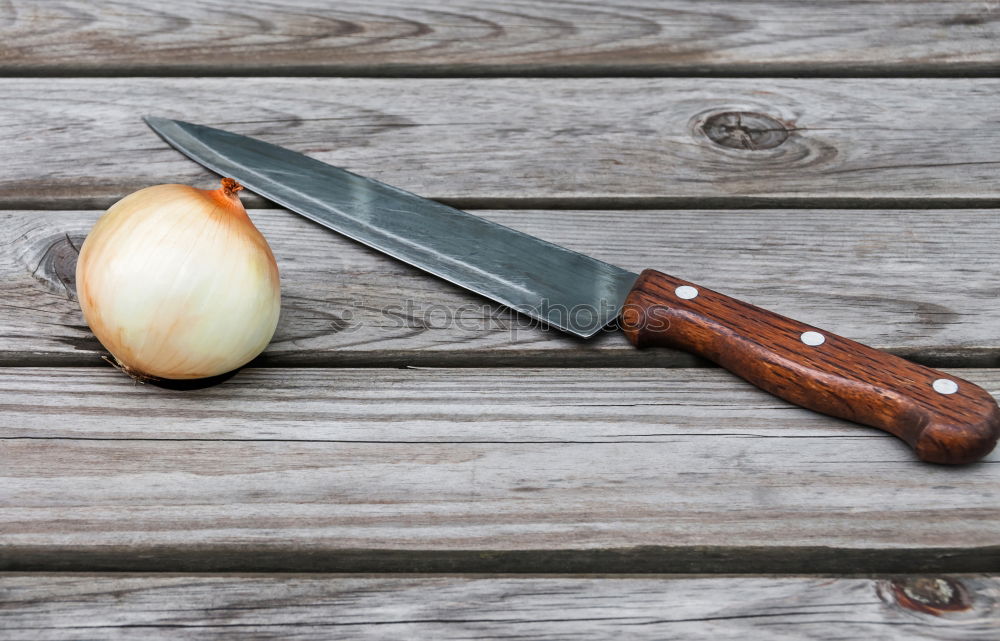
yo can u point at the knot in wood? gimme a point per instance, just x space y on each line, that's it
56 267
745 130
931 595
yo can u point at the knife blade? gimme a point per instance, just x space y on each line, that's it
562 288
945 419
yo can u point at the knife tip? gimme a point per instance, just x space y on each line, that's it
155 121
160 124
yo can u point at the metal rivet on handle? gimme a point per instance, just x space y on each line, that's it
686 292
945 386
812 339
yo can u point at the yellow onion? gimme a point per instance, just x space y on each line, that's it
177 283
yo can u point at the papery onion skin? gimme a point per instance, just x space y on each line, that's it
177 283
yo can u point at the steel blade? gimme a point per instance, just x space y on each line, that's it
559 287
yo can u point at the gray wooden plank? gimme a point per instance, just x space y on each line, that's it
350 607
913 282
550 469
596 141
521 36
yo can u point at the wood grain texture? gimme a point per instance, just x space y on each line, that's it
566 142
470 469
521 36
886 278
112 607
839 377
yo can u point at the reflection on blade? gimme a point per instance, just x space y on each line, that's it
562 288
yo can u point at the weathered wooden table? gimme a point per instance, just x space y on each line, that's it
407 460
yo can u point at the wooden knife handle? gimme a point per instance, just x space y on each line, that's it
943 418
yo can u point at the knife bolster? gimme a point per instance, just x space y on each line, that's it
945 419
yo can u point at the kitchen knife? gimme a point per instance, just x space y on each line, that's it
945 419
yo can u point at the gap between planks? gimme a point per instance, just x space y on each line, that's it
473 72
639 560
668 204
